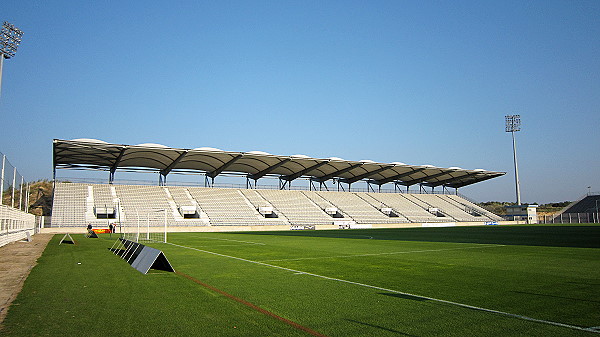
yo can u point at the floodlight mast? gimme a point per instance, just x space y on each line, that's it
513 124
10 38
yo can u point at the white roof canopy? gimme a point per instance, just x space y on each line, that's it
94 154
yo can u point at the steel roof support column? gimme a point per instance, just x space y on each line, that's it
283 182
370 187
339 186
249 183
321 184
164 179
311 185
209 181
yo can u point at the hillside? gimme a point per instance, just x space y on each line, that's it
499 207
40 197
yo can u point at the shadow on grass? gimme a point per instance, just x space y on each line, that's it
554 296
380 327
553 236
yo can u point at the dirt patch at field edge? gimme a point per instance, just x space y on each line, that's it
16 261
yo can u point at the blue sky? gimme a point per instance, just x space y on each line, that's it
420 82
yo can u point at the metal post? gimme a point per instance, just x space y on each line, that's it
27 197
119 216
517 183
513 124
21 194
165 226
12 197
2 179
1 64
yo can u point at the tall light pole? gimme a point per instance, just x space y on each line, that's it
513 124
10 38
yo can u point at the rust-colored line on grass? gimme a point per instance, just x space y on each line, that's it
253 306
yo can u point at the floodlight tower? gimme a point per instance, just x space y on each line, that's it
513 124
10 38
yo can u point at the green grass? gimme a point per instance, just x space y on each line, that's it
544 272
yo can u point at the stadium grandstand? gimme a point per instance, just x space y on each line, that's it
583 210
78 204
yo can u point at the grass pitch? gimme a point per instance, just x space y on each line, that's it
482 281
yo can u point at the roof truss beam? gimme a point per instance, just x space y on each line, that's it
168 169
418 180
451 179
224 166
336 173
118 160
299 174
461 183
268 170
364 175
399 176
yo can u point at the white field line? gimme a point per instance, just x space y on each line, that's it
226 245
389 253
249 242
526 318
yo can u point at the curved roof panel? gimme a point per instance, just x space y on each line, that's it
94 154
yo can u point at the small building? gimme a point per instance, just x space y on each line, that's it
526 213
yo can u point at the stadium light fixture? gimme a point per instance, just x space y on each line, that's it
10 38
513 124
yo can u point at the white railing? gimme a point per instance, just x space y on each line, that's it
173 183
15 225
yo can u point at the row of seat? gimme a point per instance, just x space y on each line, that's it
73 203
